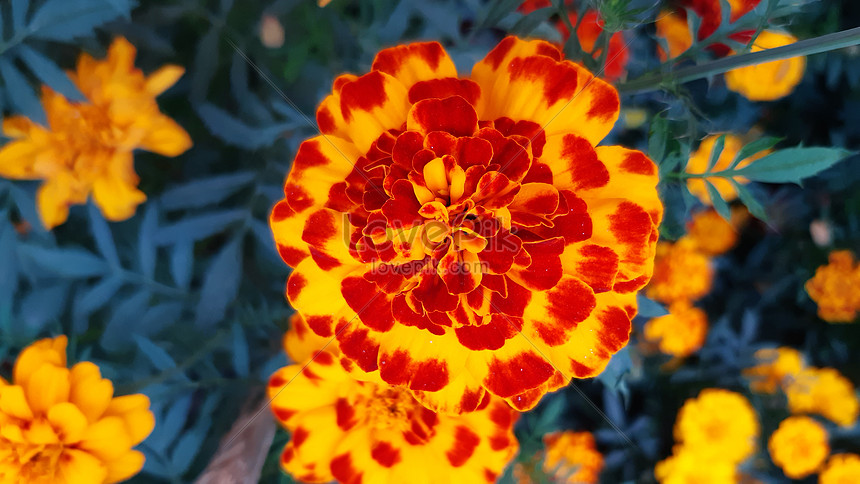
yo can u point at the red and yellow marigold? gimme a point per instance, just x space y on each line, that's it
841 469
799 446
368 431
778 368
718 425
87 147
572 457
681 272
770 80
682 332
463 236
60 424
836 288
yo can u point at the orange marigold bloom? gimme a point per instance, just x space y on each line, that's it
572 457
364 431
681 272
682 332
698 164
686 466
88 146
770 80
460 236
718 425
824 391
841 469
712 234
836 288
799 446
778 368
63 424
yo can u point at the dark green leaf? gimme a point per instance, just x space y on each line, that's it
76 263
657 138
146 249
19 92
159 358
199 227
19 14
716 152
220 284
241 360
64 20
720 205
205 191
748 199
102 235
120 327
751 149
791 165
49 73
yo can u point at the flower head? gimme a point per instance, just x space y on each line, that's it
719 425
681 272
770 80
841 469
87 147
836 288
681 332
572 457
778 367
63 424
686 466
824 391
712 233
799 446
460 236
700 159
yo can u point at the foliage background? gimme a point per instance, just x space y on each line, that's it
184 302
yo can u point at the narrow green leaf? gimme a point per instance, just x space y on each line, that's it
717 151
793 164
751 149
747 198
720 205
657 138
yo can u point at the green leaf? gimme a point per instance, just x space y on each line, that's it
657 138
793 164
720 205
716 152
748 199
751 149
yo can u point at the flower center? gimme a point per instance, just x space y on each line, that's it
390 408
34 462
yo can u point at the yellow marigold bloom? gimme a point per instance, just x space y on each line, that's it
681 332
841 469
770 80
799 446
712 234
465 233
572 457
824 391
681 272
363 431
87 147
779 366
674 28
686 466
836 288
718 425
301 343
698 164
64 424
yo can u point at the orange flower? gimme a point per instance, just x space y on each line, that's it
712 234
572 457
363 431
681 272
799 446
778 368
681 332
836 288
87 147
672 25
771 80
718 425
460 236
687 466
698 164
824 391
841 469
64 424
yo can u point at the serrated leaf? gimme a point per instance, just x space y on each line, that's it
753 148
206 191
102 235
159 358
20 94
241 359
64 20
74 263
146 249
747 198
719 204
719 144
220 284
198 227
49 73
791 165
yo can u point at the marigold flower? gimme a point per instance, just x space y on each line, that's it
87 147
799 446
363 431
771 80
836 288
824 391
460 236
681 272
712 234
682 332
687 466
841 469
672 25
572 457
778 368
700 159
63 424
302 344
719 425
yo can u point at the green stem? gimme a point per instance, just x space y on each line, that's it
825 43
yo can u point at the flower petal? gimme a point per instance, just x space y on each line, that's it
80 467
126 466
89 391
115 192
416 62
166 137
68 422
47 386
160 80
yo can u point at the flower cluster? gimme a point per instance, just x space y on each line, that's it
836 288
87 147
719 427
63 424
799 446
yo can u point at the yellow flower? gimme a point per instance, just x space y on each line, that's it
459 236
778 367
87 147
836 288
686 466
712 234
572 457
718 425
365 431
770 80
681 332
799 446
681 272
63 424
824 391
841 469
700 159
301 343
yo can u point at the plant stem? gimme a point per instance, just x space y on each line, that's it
825 43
